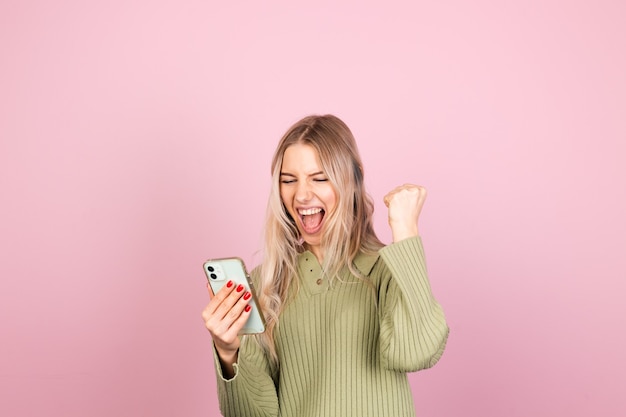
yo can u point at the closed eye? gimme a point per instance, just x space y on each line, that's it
287 178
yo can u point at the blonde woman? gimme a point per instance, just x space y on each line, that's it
347 317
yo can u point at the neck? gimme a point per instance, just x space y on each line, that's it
318 252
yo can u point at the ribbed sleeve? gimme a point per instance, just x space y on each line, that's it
413 329
251 392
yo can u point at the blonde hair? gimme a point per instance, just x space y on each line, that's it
348 229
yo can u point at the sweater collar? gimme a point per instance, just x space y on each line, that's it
364 263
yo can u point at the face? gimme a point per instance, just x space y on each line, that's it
307 193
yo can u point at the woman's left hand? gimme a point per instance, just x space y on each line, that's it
405 205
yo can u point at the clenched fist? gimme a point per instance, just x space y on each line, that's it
405 205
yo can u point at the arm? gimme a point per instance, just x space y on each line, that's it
246 387
251 391
413 329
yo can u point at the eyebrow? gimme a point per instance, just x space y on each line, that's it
310 175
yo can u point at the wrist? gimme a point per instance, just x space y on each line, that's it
227 360
226 355
401 233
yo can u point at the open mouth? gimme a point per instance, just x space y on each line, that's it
311 219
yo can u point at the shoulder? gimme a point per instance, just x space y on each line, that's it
402 253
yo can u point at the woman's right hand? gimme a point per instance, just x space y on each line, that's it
224 316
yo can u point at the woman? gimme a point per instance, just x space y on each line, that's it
347 317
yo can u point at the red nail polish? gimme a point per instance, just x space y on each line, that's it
248 308
229 284
239 288
247 296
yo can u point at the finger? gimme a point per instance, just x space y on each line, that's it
233 318
410 189
222 294
235 294
239 322
238 317
235 313
421 194
216 301
391 194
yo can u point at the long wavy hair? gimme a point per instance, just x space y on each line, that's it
347 230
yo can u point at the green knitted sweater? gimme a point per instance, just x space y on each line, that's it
344 349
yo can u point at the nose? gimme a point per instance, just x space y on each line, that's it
303 192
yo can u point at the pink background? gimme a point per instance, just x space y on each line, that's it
135 143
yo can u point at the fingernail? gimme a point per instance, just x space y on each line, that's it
247 296
229 284
248 308
239 288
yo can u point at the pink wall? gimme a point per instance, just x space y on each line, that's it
135 139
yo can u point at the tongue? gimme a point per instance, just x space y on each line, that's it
312 221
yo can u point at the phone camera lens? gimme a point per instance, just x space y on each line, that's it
213 276
210 268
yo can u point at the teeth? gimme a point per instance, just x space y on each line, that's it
308 212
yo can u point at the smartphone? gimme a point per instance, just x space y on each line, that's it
220 271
